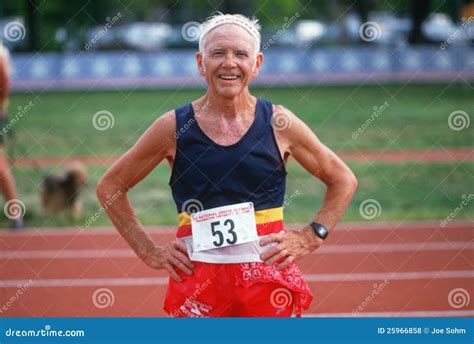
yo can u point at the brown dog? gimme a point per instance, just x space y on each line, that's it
61 191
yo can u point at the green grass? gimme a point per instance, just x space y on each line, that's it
404 192
416 117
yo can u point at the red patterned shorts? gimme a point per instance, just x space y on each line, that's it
238 290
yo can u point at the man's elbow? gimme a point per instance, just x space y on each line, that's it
100 189
351 182
105 189
345 183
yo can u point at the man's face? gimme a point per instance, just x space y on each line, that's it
229 61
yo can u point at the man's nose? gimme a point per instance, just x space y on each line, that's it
229 61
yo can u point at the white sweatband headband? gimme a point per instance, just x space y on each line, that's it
229 20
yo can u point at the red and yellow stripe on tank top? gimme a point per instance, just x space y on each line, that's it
268 221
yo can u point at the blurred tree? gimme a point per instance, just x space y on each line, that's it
272 13
363 8
243 7
46 18
420 11
74 16
32 24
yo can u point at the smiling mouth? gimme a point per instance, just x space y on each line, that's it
228 77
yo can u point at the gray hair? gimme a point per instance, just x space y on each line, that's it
251 25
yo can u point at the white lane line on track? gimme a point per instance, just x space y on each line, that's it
351 226
408 314
391 276
128 253
87 282
398 247
156 281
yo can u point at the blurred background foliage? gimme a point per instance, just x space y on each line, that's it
62 25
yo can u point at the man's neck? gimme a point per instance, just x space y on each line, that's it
238 106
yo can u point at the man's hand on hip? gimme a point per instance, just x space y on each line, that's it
291 245
169 257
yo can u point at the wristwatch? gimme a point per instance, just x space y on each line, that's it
320 230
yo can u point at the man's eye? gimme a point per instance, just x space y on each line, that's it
217 53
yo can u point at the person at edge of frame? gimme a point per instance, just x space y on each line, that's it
7 182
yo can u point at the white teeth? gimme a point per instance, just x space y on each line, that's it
229 77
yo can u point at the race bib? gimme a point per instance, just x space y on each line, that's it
224 226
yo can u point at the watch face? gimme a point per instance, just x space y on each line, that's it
323 231
320 230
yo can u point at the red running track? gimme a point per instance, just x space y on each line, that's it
428 156
410 269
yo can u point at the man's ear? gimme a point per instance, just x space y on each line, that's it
258 64
201 68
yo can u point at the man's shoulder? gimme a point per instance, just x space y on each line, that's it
167 118
281 110
286 124
165 124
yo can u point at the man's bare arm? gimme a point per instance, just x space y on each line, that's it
155 145
297 140
325 165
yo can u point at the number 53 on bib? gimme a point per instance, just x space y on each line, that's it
224 226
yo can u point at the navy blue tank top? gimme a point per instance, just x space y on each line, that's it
250 170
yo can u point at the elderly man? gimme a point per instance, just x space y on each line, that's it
227 151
